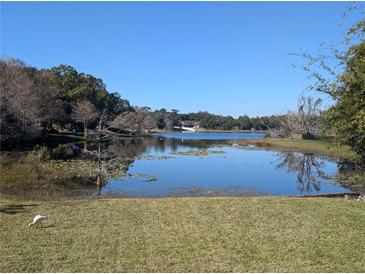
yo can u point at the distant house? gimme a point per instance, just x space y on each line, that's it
191 124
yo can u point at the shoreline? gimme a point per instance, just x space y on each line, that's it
201 130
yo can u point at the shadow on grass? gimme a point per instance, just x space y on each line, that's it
15 209
48 226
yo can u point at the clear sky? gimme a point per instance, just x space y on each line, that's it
229 58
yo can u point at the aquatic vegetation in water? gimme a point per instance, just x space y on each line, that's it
211 192
149 178
155 157
83 168
202 152
218 169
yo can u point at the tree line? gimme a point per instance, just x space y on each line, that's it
165 119
35 102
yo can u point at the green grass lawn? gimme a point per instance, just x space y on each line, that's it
184 235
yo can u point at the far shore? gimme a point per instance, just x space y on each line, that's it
199 130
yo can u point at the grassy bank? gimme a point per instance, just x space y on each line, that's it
185 235
311 146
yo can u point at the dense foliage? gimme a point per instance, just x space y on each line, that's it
347 115
34 102
166 120
340 73
75 86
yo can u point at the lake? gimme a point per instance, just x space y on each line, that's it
204 164
212 135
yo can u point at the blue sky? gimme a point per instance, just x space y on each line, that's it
229 58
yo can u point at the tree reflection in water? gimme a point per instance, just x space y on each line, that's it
308 168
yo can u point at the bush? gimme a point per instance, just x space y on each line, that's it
36 157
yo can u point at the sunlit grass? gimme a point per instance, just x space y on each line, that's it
184 235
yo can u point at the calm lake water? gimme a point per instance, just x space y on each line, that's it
235 171
158 166
212 135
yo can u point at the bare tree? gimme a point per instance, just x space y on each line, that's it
27 100
149 122
289 124
169 123
309 113
127 121
85 112
133 121
109 163
48 94
19 106
305 120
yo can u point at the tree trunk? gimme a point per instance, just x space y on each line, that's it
84 129
37 171
98 185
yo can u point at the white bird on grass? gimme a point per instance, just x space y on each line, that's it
38 220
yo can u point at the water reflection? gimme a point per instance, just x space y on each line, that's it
132 148
246 171
308 168
237 172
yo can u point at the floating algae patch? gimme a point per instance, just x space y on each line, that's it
203 152
149 178
85 167
155 157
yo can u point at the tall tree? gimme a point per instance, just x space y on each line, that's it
85 112
76 86
28 100
308 115
305 120
340 73
136 121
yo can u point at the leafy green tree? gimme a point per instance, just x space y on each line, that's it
75 86
340 73
347 115
244 122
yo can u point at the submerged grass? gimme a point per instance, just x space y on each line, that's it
18 176
184 235
155 157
